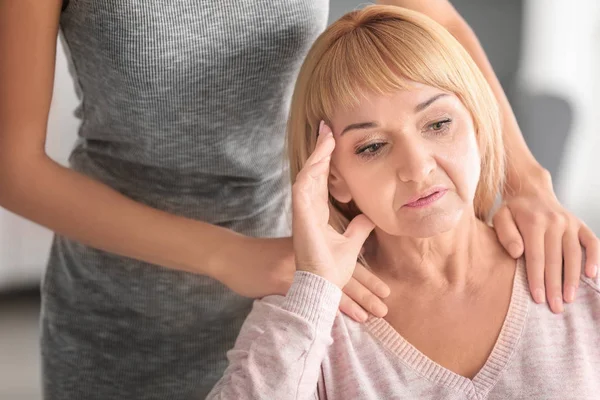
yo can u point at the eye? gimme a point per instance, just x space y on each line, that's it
440 125
370 149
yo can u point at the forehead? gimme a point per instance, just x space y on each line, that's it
401 102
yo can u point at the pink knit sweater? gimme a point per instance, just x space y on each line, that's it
301 347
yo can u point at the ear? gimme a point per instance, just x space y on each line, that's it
337 186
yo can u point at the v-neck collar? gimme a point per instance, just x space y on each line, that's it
490 373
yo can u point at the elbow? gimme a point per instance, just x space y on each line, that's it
7 181
5 177
17 170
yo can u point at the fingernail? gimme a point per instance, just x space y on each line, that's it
539 296
382 290
594 271
570 294
380 310
321 126
361 315
557 304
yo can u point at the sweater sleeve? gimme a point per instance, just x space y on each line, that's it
281 346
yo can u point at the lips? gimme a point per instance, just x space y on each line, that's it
427 197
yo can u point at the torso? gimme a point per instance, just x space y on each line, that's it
457 330
184 104
537 355
183 108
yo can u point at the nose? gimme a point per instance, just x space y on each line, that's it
415 160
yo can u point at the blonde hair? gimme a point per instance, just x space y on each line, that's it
377 50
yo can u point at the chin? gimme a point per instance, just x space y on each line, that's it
427 226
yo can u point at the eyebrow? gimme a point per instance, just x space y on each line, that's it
427 103
361 125
369 125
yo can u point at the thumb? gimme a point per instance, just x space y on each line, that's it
359 229
508 232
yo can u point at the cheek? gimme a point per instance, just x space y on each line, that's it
462 164
370 183
353 179
366 179
359 176
375 196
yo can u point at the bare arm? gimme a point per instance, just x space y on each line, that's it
71 204
39 189
522 160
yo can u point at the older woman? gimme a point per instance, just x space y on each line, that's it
411 153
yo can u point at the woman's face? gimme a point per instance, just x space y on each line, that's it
409 160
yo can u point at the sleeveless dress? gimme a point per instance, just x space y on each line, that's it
183 106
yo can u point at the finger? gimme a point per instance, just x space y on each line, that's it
323 148
370 281
311 176
533 238
592 251
352 309
572 264
359 229
507 232
320 169
365 298
553 272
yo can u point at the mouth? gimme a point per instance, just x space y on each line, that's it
426 198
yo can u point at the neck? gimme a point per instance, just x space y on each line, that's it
444 261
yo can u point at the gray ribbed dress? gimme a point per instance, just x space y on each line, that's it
183 107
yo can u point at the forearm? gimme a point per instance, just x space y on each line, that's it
522 166
281 346
37 188
89 212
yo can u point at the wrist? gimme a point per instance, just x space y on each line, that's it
331 278
523 179
273 258
313 297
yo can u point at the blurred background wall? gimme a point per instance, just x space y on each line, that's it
546 55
